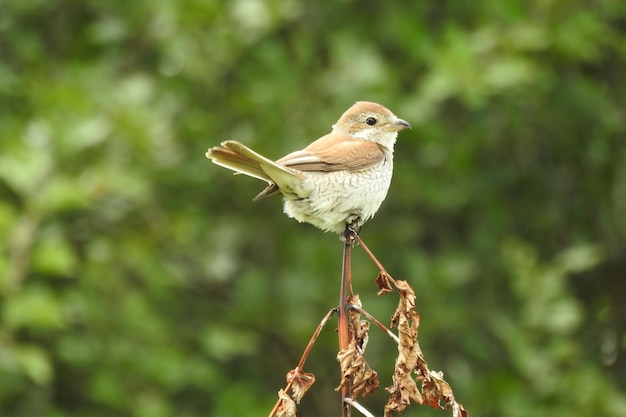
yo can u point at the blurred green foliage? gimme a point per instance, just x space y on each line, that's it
137 279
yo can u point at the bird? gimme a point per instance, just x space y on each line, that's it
336 183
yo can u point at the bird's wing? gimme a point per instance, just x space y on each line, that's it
335 152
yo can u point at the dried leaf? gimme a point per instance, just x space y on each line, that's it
435 391
431 393
355 368
383 284
458 410
347 363
407 295
358 328
345 358
364 378
300 383
353 365
404 389
365 383
287 407
354 299
439 394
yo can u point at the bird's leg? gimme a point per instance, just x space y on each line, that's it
353 225
349 236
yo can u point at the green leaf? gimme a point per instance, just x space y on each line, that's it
54 255
34 309
35 363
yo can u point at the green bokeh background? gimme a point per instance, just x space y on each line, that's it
138 279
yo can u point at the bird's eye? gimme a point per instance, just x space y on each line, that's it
370 121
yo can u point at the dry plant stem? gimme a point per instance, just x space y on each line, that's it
376 322
306 353
343 322
371 255
314 337
358 406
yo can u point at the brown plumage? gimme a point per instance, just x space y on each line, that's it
337 181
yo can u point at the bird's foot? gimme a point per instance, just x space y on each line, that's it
349 236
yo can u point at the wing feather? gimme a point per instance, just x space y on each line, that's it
335 152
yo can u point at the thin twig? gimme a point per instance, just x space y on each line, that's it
343 323
316 334
358 406
305 354
377 322
372 257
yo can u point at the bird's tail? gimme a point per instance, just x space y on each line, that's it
241 159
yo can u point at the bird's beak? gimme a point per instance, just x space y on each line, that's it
400 124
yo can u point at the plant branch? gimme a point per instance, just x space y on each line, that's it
298 370
377 322
314 337
372 257
358 406
343 319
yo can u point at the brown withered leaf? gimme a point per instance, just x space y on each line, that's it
404 389
300 383
354 299
287 407
364 378
366 383
355 368
401 395
439 394
383 284
458 410
431 393
345 358
359 329
407 296
349 363
435 391
353 365
360 332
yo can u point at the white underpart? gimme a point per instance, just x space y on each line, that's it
338 198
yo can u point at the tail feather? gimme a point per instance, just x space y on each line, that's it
236 162
239 158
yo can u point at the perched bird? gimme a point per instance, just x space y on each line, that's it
337 182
